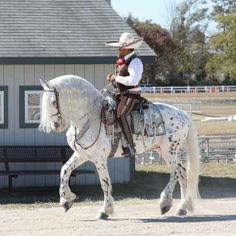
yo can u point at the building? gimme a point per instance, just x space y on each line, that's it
44 39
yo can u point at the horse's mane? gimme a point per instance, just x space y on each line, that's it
72 82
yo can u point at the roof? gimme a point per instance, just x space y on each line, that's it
50 31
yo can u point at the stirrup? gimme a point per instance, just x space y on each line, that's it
131 149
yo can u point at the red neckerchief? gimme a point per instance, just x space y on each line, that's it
120 61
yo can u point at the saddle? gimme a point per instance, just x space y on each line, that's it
145 119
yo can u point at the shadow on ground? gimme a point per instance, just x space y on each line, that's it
145 186
190 219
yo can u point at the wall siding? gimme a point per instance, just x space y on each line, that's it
14 76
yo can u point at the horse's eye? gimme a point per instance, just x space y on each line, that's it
54 103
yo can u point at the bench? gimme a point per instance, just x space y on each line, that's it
34 154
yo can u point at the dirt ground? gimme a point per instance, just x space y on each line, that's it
212 217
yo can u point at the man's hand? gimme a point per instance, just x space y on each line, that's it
111 77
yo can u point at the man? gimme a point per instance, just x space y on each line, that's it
129 70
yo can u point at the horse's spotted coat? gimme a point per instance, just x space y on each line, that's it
79 103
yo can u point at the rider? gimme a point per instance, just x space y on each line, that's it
128 74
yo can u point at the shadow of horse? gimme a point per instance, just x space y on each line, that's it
190 219
177 219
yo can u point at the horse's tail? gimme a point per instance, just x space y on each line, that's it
193 166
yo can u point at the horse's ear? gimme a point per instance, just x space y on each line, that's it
42 83
45 84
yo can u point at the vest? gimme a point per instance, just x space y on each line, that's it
122 70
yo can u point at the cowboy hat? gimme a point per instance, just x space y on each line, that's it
126 41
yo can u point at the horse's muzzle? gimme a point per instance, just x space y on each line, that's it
58 126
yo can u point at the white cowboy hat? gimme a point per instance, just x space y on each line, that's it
126 41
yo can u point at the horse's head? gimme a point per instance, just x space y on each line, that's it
51 117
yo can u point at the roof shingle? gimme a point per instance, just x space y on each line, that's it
60 28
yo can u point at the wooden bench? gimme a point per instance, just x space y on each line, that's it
34 154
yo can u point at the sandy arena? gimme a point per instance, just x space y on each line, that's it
216 217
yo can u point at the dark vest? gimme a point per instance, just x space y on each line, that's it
122 70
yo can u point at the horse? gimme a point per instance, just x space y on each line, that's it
72 102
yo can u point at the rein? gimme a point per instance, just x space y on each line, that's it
83 131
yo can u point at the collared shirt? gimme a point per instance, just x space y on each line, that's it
135 70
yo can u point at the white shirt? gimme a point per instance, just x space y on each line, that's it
135 70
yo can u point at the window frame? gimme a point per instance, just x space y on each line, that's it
4 94
24 91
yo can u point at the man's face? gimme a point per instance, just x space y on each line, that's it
123 52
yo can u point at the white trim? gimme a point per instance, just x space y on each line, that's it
27 92
2 107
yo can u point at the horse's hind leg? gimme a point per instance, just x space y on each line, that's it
185 204
166 198
105 181
66 196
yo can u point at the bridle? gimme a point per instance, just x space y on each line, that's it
83 129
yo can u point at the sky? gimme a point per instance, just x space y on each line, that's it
155 10
158 11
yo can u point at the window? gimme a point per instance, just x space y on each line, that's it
30 105
3 107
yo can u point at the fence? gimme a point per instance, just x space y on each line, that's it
189 89
212 148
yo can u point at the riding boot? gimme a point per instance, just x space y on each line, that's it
125 152
129 150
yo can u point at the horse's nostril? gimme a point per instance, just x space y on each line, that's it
56 125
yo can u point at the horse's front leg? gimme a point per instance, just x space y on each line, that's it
66 196
105 181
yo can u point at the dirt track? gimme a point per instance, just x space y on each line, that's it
212 217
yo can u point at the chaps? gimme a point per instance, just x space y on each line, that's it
126 105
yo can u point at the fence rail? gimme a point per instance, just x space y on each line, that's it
188 89
212 148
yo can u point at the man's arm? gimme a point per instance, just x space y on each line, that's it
135 70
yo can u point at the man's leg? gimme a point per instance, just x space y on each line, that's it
126 105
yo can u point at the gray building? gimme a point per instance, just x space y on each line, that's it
44 39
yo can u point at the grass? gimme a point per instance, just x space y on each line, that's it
212 169
191 96
149 181
202 105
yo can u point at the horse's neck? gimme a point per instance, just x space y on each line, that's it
78 109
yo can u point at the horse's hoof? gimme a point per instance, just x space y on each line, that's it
102 216
181 212
67 206
165 209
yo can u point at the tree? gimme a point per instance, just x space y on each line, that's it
223 59
188 31
161 42
181 53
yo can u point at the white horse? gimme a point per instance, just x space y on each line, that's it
71 101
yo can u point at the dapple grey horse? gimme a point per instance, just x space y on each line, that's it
72 102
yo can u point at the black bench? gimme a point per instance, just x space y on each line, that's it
34 154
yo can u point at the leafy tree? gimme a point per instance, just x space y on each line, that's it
223 58
181 53
188 31
161 42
